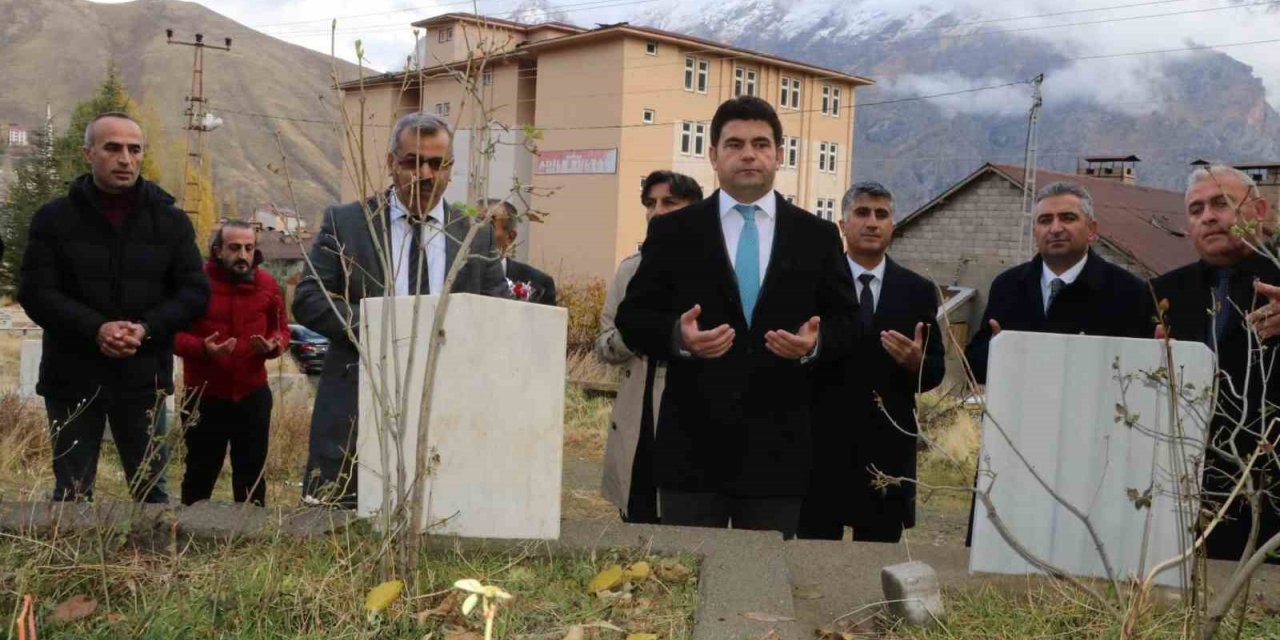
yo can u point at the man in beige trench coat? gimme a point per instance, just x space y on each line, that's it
628 458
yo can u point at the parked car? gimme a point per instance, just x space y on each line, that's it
308 348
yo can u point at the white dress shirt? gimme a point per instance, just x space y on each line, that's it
876 284
731 223
1047 276
433 241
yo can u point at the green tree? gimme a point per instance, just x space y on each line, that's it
110 96
36 182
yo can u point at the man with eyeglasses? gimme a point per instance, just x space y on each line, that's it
411 228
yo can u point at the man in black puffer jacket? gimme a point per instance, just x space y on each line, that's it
111 272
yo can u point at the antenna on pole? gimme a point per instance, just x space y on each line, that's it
1027 243
199 120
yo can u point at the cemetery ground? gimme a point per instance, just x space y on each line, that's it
148 586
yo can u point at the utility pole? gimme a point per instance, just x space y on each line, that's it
199 120
1029 171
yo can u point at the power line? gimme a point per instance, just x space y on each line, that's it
1195 48
1109 20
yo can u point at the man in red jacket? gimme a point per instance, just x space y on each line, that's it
224 358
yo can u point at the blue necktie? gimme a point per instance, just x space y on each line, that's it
747 260
1222 302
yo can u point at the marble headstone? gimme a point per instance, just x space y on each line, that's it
497 418
1057 399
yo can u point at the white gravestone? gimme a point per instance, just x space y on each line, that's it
29 367
1057 399
497 417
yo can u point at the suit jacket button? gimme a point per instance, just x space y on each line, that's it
626 373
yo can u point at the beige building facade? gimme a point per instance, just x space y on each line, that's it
604 108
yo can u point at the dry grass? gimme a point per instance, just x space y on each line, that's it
957 435
10 360
586 423
583 299
316 589
583 367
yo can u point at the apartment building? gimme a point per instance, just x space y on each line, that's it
607 106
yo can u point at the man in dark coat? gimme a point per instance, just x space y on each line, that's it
1207 302
1067 287
541 286
742 293
111 272
866 403
421 232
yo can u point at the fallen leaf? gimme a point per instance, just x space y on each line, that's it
114 617
447 606
381 596
642 636
807 593
75 608
766 617
607 579
638 571
575 633
464 635
673 570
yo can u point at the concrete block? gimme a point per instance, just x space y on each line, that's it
913 594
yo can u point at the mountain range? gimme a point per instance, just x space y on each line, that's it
58 51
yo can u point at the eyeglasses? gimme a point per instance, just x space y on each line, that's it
413 162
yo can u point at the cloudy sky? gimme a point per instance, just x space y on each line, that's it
1083 28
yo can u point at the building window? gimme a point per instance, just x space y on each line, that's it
825 208
827 157
790 152
696 73
790 95
445 35
647 116
486 78
651 48
442 108
830 101
693 138
744 81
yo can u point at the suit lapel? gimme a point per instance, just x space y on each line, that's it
1031 282
885 307
451 245
727 278
779 253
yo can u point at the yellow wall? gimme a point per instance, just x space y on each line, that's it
593 96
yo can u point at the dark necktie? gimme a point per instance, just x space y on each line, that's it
417 259
1222 303
1055 287
866 301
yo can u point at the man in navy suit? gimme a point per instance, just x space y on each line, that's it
866 402
1067 287
742 294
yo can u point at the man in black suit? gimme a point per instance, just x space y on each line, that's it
542 286
1207 302
1067 287
742 293
866 403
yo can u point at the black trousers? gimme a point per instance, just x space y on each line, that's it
642 500
218 424
138 427
683 508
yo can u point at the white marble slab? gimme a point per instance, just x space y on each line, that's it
497 422
29 367
1056 397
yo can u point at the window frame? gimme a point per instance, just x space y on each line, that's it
445 34
651 47
648 116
